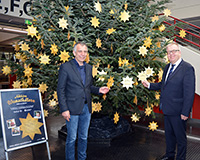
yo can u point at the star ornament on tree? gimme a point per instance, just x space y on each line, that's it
43 87
28 72
153 126
127 82
94 71
64 56
6 70
52 103
30 126
97 6
24 47
143 51
148 111
147 42
149 71
110 82
62 23
142 76
167 12
110 31
44 59
16 84
98 43
32 31
162 28
135 118
54 49
95 22
124 16
154 18
116 118
182 33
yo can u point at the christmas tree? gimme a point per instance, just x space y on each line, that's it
126 41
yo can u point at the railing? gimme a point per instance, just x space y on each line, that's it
192 32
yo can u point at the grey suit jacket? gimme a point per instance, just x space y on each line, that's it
71 90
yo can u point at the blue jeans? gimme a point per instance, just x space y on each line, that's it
77 124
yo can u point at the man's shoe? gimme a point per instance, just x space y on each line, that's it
165 158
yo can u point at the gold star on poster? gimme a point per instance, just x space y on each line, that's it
162 28
30 126
135 118
182 33
95 22
153 126
28 72
32 31
64 56
52 103
16 84
44 59
94 71
24 47
147 42
110 31
148 111
54 49
142 76
6 70
149 71
97 6
98 43
62 23
110 82
127 82
124 16
143 51
43 87
116 118
167 12
155 18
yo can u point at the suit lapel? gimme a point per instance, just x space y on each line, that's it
76 71
176 70
87 74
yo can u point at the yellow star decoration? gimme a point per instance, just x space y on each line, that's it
16 47
153 126
52 103
42 44
32 31
167 12
18 55
110 82
44 59
104 96
94 71
55 96
95 22
155 18
62 23
124 16
125 6
110 31
64 56
125 62
28 72
24 47
98 43
120 62
30 126
29 81
127 82
38 37
162 28
116 118
111 11
135 100
142 76
46 113
43 87
182 33
147 42
67 10
149 71
158 44
54 49
24 84
148 111
96 107
143 51
160 73
157 95
87 59
97 6
16 84
135 117
6 70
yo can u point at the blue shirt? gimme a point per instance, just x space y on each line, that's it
81 70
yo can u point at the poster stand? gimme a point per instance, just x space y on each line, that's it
22 118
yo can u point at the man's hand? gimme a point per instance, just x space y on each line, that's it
66 115
184 117
145 84
104 90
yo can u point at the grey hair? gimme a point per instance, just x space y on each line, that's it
81 43
174 43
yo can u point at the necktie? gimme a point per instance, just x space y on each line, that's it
170 72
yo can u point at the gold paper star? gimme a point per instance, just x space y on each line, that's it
24 84
124 16
95 22
52 103
182 33
55 96
157 95
87 59
46 113
29 81
98 43
135 100
125 62
98 107
155 18
16 47
147 42
110 31
111 12
24 47
67 8
97 6
30 126
125 6
153 126
167 12
162 28
42 44
32 31
116 118
120 62
16 84
127 82
43 87
94 71
62 23
44 59
64 56
54 49
142 76
149 71
148 111
110 82
6 70
18 55
143 51
160 74
28 72
135 117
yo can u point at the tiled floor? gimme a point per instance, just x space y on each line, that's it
139 144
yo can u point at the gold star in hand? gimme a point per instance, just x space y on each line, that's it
6 70
62 23
97 6
95 22
110 31
64 56
124 16
153 126
30 126
116 118
98 43
182 33
43 87
32 31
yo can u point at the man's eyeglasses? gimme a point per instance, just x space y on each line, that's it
172 51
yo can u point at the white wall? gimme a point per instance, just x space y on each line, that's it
193 57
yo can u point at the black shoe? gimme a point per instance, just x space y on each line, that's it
165 158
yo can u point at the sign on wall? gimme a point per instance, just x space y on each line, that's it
16 8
